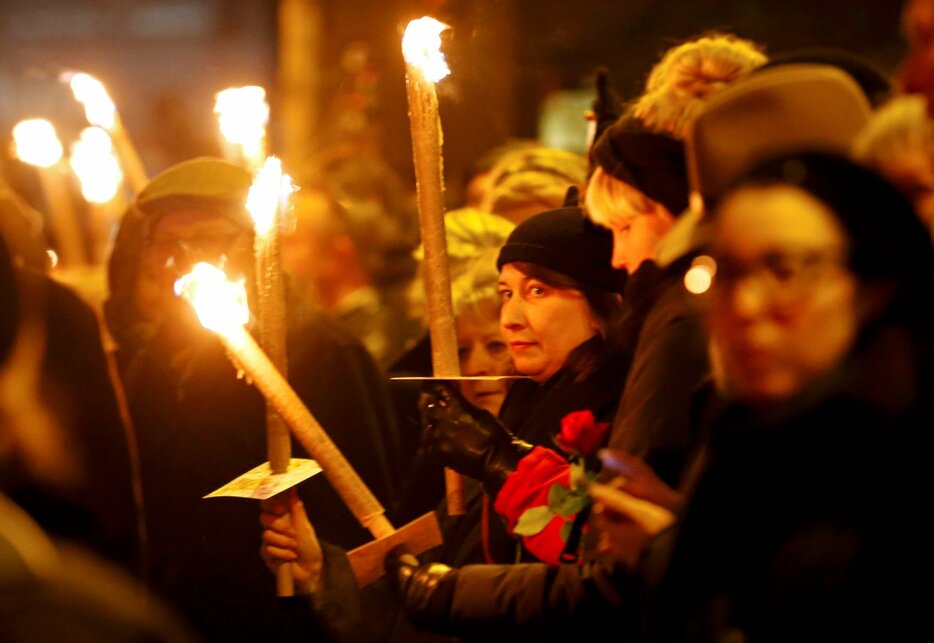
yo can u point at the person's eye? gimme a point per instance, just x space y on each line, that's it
537 290
505 294
781 268
463 352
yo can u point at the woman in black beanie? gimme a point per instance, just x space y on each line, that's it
560 314
637 190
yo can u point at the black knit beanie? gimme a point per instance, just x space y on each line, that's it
566 241
652 163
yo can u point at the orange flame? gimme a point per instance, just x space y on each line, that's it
220 304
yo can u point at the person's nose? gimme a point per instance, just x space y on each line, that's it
511 316
747 298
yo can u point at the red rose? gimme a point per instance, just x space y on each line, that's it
581 432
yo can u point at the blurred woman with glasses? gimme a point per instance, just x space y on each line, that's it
802 519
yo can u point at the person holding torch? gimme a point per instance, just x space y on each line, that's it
199 426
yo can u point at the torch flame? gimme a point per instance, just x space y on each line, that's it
90 92
270 191
220 304
243 114
96 166
421 47
37 143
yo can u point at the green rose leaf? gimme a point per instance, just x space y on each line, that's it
571 505
533 521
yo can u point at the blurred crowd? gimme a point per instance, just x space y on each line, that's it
695 395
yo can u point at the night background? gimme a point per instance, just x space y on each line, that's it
520 68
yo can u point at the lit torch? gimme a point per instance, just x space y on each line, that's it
242 114
100 110
37 144
95 164
221 306
425 65
268 194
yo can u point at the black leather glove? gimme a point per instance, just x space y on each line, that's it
467 439
426 591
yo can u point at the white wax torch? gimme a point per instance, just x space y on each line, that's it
100 110
37 144
221 305
264 203
242 114
95 163
425 66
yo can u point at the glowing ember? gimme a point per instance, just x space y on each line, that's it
90 92
221 304
270 190
96 166
37 143
242 115
699 276
421 48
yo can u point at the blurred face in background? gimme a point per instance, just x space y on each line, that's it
482 350
177 242
783 307
541 323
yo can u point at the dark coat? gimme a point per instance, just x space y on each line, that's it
669 365
803 521
78 387
50 592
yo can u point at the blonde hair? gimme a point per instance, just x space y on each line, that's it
472 236
688 74
609 200
898 129
477 287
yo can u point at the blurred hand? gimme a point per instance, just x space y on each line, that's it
290 539
632 508
639 479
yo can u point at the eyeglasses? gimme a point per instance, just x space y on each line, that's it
783 277
164 252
